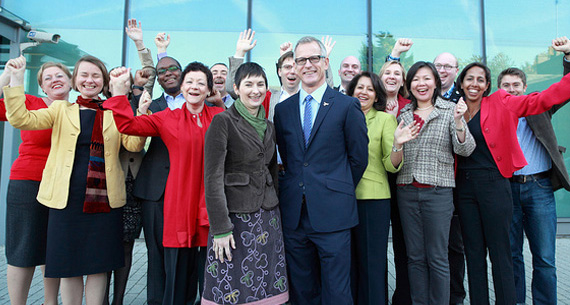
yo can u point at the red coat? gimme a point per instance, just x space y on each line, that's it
185 217
499 119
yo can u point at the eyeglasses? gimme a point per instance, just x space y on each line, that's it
301 61
445 67
171 69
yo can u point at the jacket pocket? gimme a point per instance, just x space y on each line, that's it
236 179
340 186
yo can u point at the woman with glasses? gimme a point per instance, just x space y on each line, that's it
484 191
82 183
182 130
426 182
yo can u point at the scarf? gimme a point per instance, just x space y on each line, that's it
258 122
96 200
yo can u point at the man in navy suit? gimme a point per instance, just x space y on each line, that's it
322 139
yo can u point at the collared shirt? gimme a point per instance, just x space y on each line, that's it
316 102
341 89
448 93
174 102
534 152
283 95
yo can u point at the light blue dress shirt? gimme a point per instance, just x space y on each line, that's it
315 102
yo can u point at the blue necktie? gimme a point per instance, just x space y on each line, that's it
308 119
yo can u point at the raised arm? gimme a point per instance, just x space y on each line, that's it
402 45
244 44
145 78
15 101
329 46
161 41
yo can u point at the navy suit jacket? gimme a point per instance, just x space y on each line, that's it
151 179
328 171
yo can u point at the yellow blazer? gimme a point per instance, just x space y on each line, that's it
374 182
63 118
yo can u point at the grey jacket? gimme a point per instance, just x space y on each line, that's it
429 158
240 171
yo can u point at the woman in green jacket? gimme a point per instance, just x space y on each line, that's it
370 237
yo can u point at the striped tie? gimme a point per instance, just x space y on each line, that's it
308 119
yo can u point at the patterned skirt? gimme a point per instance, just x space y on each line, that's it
257 273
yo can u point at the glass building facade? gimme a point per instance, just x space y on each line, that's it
500 33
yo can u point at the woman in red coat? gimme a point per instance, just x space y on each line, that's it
182 130
484 191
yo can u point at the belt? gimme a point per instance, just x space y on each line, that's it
528 178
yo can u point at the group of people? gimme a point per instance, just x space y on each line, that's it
251 195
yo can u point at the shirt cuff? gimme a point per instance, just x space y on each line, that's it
222 235
160 55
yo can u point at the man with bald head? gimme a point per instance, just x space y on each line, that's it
447 67
349 67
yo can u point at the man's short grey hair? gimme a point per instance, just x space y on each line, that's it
310 39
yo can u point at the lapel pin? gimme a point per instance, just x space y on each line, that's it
325 104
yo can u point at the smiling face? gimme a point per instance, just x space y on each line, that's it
288 77
423 85
312 75
349 67
195 87
89 80
251 91
168 75
55 83
364 92
220 73
447 71
474 84
513 84
392 79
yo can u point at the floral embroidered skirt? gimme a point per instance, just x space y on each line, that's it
257 273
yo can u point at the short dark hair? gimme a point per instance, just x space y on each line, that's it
288 54
97 62
380 102
412 73
176 61
199 67
511 71
463 73
249 69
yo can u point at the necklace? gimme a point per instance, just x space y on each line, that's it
470 115
425 108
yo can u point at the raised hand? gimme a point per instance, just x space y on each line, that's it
402 45
459 111
403 134
18 69
392 107
162 41
285 47
134 30
215 97
144 102
329 44
561 44
141 77
245 43
222 245
120 83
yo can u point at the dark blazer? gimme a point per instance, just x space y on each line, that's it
240 171
328 171
541 126
455 95
153 173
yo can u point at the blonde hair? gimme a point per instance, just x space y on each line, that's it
403 91
51 64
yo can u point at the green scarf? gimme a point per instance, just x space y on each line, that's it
258 122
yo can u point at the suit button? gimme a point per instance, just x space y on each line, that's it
259 173
499 158
305 164
260 155
132 160
106 138
486 129
301 184
107 154
492 145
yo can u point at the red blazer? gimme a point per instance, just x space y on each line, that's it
499 119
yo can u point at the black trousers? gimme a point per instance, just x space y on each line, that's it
485 212
153 225
181 266
456 255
